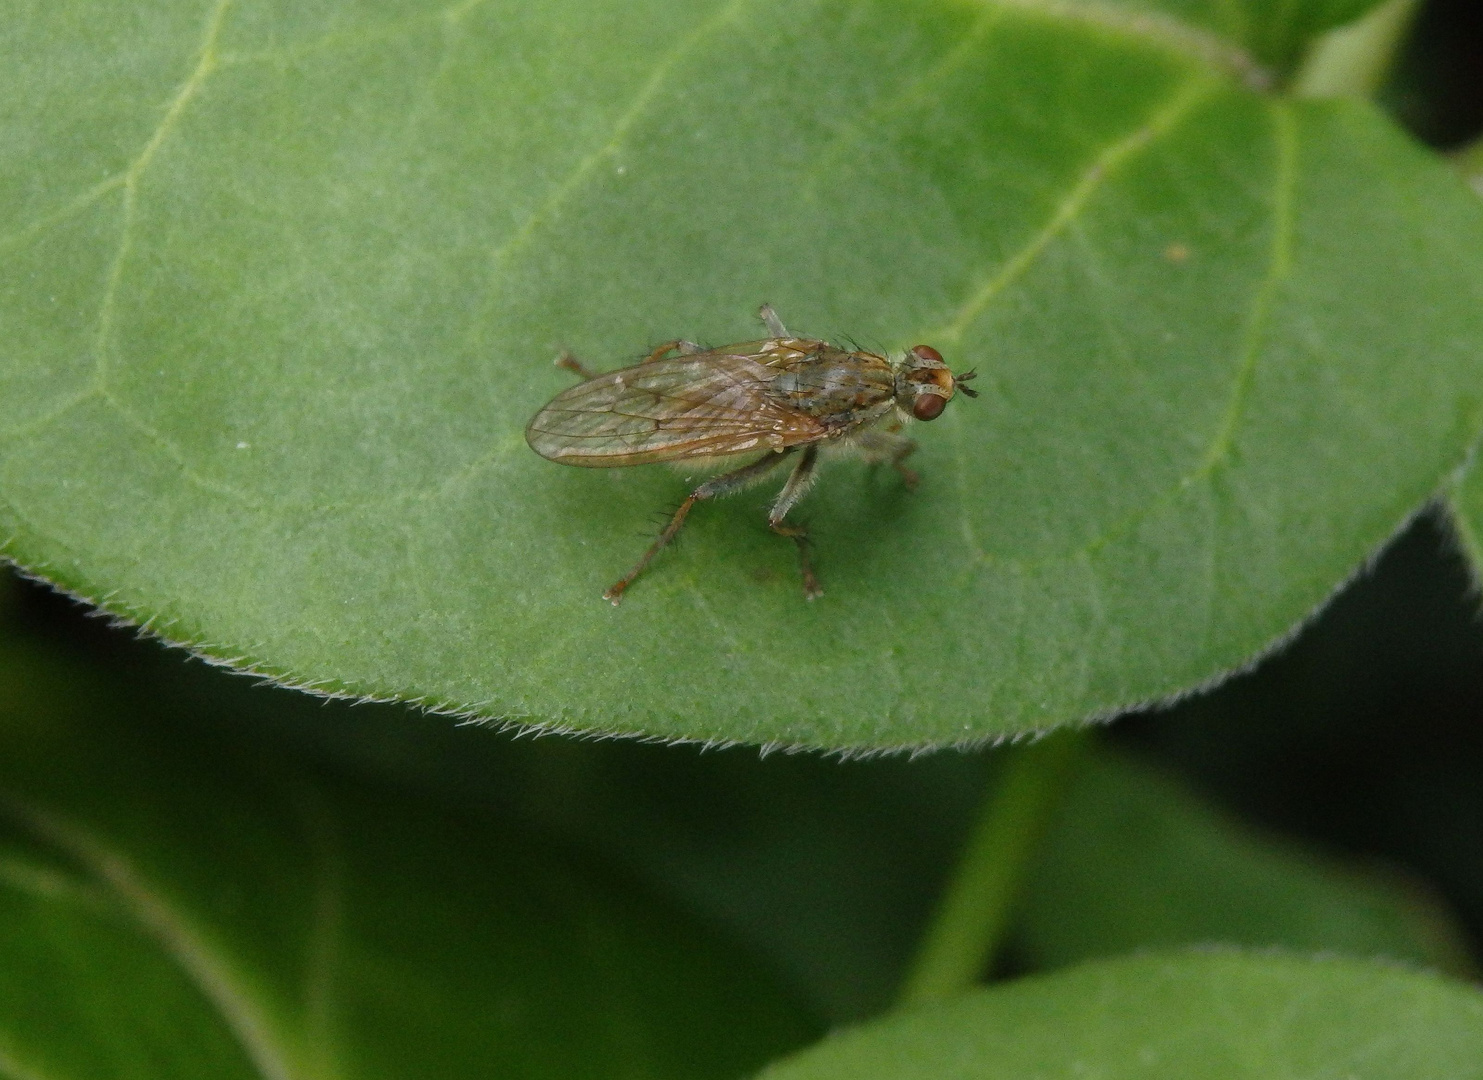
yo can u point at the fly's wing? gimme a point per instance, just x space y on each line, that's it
696 405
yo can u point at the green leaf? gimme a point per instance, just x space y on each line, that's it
1465 501
180 903
282 286
1217 1017
1136 861
1274 32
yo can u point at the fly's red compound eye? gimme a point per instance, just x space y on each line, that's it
928 406
926 352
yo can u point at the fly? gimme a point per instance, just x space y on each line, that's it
782 396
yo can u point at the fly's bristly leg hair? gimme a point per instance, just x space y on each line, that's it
571 363
663 517
799 479
725 484
884 447
774 324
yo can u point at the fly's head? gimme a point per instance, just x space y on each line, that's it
924 385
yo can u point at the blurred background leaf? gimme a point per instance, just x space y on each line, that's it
1137 861
177 899
1218 1016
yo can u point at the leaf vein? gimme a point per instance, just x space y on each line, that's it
562 190
61 215
1218 454
1157 29
924 86
174 454
1279 265
46 419
206 60
1071 205
208 971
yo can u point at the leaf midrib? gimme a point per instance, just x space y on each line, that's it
172 930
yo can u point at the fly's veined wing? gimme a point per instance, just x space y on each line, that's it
694 405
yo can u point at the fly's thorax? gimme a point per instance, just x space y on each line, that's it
840 388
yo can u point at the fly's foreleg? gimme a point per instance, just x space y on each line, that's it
798 483
893 449
724 484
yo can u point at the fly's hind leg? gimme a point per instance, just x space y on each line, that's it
571 363
887 447
688 348
724 484
798 483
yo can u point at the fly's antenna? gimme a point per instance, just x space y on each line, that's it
959 380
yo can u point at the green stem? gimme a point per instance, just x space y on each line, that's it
1353 60
973 914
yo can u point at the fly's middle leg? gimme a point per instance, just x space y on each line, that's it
724 484
798 483
892 449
